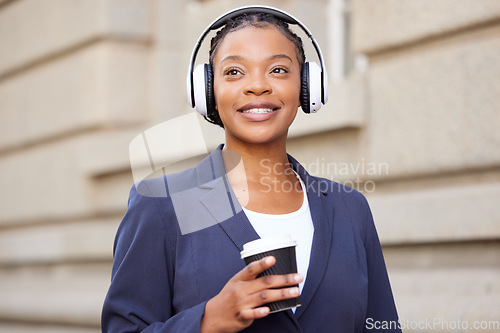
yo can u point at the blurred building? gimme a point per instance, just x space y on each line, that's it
413 121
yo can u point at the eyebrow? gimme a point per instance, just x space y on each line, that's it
241 58
233 57
280 56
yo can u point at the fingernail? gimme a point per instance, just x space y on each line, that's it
294 291
297 278
268 261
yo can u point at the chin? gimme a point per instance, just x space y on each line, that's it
261 137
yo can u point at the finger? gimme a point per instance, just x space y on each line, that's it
251 314
277 281
272 295
273 281
253 269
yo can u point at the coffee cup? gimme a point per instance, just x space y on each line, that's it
282 248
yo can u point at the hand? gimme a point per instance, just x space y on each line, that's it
239 303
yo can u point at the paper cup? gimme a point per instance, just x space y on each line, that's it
283 249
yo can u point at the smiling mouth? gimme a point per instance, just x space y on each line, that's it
258 110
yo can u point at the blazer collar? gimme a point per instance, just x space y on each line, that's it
212 175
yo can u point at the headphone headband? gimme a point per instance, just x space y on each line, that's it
225 18
222 20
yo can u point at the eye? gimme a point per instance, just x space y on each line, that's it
232 72
279 70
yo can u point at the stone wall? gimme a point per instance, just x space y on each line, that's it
433 115
416 130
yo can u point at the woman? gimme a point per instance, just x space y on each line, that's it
167 278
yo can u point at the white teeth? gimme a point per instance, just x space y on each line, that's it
257 110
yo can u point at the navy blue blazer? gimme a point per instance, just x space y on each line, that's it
164 271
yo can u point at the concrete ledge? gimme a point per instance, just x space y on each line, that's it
429 111
71 294
37 328
447 296
82 241
469 255
446 213
382 24
99 86
33 29
79 177
43 184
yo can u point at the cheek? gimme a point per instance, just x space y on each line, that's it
293 87
222 93
225 98
291 92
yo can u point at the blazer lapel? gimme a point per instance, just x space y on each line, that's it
321 215
221 201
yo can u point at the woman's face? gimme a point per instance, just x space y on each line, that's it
256 84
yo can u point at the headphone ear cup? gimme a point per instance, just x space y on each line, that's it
304 88
316 87
199 90
209 92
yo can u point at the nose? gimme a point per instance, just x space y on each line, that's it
257 84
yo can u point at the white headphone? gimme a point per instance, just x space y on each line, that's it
314 79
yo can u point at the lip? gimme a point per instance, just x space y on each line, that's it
259 105
258 116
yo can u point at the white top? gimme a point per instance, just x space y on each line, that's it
298 224
267 244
